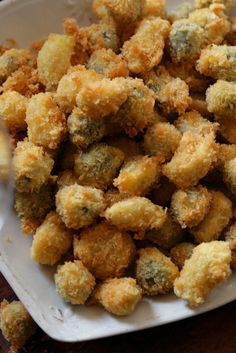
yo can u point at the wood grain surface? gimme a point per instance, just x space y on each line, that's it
214 332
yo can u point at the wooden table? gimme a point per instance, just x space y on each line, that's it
214 332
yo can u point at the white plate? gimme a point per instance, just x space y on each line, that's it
27 20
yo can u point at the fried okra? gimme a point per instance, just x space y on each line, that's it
168 235
16 324
32 166
137 112
98 166
51 240
219 62
229 174
206 3
227 127
192 160
124 12
191 206
74 283
230 238
104 250
181 11
46 124
102 98
221 98
155 272
13 110
54 59
194 122
136 214
102 35
119 296
208 266
101 10
108 64
155 8
185 42
145 48
199 104
113 196
138 175
161 140
79 206
129 147
180 253
225 154
216 219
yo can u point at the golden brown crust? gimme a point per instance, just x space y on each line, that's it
180 253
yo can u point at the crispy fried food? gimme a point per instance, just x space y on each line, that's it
180 253
13 110
194 122
219 62
162 193
46 124
113 196
138 175
119 296
108 64
71 84
230 238
185 42
161 140
54 59
138 110
145 48
29 225
155 8
51 240
192 160
67 178
74 283
136 214
99 165
191 206
227 126
221 99
104 250
79 206
16 324
206 3
101 10
129 147
168 235
213 21
124 11
181 11
83 130
229 174
200 105
32 166
208 266
155 272
215 220
103 98
102 35
225 154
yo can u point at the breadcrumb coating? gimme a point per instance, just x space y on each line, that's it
101 11
180 253
215 220
200 105
125 11
104 250
221 98
155 272
15 323
208 266
206 3
229 174
225 154
102 35
155 8
13 110
227 127
51 240
230 238
181 11
129 147
74 283
113 196
79 206
119 296
194 122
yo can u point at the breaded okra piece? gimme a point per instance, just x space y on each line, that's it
129 147
221 99
138 175
185 42
79 206
46 124
54 59
136 214
200 105
227 128
155 8
74 283
104 250
230 237
155 272
193 121
168 235
208 266
124 12
118 296
102 35
218 62
13 110
101 11
16 324
108 64
181 11
229 174
145 48
191 206
51 240
180 253
98 166
113 196
102 98
32 166
161 140
215 220
206 3
192 160
225 154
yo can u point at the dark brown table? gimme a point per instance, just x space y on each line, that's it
214 332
